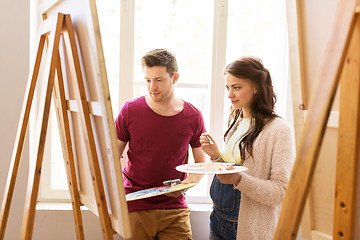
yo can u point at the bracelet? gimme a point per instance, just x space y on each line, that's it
219 159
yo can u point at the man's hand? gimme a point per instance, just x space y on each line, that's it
177 193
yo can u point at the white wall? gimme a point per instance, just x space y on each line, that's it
14 60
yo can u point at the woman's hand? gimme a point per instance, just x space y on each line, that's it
208 145
231 178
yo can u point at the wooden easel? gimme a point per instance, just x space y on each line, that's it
52 30
341 60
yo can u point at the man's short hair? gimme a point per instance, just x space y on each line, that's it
160 57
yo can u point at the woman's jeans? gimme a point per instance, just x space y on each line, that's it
224 217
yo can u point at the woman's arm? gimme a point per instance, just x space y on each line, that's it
271 191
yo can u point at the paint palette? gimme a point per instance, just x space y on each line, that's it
210 168
156 191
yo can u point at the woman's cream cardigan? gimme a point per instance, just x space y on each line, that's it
263 185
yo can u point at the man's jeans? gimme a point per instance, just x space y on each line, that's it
226 204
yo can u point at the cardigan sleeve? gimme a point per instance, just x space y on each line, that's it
269 188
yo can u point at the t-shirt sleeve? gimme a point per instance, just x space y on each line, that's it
121 124
199 129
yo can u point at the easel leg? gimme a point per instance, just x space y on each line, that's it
20 138
64 127
35 169
348 142
89 135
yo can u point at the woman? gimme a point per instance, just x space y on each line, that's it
261 141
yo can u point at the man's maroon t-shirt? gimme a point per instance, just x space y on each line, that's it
157 144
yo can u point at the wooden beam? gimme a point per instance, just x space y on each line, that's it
67 147
299 98
95 107
94 166
35 168
348 142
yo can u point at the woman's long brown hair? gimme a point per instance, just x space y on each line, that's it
262 105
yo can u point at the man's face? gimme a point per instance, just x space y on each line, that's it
159 83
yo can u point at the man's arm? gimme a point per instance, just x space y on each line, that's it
122 146
199 157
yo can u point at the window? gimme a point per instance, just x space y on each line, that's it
171 25
263 37
205 36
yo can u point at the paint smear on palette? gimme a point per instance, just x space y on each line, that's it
156 191
210 168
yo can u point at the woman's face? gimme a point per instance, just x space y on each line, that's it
240 92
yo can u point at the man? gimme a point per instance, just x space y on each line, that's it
159 128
